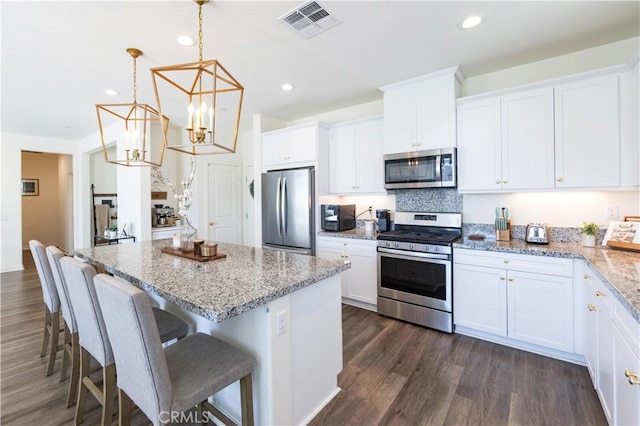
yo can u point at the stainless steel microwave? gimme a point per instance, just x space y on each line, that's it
435 168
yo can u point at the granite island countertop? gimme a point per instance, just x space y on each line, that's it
217 290
618 269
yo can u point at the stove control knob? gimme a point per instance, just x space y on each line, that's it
388 244
411 246
436 249
396 245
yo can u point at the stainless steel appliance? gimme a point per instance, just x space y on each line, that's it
336 217
537 233
434 168
384 220
288 210
415 268
162 216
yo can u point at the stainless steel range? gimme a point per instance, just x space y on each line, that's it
415 268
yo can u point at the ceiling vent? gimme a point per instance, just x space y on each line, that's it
309 19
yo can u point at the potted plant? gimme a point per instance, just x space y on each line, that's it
589 232
112 231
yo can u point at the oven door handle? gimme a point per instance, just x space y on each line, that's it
413 254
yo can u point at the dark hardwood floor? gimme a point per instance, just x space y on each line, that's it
394 374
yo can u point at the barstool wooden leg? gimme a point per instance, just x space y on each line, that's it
246 400
82 388
75 370
66 352
125 405
108 393
45 337
55 333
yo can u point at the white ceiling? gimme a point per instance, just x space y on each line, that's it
59 57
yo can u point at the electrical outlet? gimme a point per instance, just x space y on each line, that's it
370 209
282 323
611 212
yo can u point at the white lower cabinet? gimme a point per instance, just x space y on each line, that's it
612 349
523 298
359 283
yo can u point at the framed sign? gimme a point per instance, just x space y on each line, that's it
30 187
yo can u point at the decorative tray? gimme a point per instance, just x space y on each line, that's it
624 235
191 256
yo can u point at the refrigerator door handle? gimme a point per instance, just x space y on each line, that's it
278 198
283 208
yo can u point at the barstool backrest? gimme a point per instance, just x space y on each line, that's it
49 292
142 367
92 333
54 254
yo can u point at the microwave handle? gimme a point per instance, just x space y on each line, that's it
439 168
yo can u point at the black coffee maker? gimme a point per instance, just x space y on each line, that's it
384 220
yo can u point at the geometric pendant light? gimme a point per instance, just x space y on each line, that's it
206 96
139 124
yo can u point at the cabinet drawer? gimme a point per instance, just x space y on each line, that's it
628 327
515 262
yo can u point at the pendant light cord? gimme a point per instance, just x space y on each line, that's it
200 45
135 80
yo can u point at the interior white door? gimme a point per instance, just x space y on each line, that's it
224 209
249 206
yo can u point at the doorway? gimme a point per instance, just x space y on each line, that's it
47 201
224 203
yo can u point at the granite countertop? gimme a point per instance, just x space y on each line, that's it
618 269
358 233
217 290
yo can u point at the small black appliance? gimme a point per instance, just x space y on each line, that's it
384 220
335 217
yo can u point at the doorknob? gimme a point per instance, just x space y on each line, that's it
211 223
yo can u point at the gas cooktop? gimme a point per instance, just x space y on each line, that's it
425 228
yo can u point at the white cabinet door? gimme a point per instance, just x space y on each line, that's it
480 298
540 309
587 151
527 140
333 249
399 120
361 283
604 372
289 146
627 409
355 158
368 155
342 160
591 334
435 114
479 146
274 148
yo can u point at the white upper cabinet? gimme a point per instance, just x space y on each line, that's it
355 157
506 143
420 113
290 147
527 140
579 134
479 146
587 133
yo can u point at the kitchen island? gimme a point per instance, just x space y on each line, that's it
282 308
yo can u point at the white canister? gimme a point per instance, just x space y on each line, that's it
369 226
176 241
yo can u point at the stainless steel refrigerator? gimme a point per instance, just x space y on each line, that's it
288 210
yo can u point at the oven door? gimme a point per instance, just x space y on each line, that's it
422 279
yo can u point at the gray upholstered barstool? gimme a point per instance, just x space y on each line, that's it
51 302
93 337
71 352
172 380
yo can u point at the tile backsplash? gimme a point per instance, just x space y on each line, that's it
438 200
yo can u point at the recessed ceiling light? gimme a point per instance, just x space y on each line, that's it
470 22
185 40
111 92
288 87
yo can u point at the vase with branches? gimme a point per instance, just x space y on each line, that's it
184 195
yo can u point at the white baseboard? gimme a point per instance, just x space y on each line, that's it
359 304
319 408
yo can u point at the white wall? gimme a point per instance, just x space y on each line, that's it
582 61
558 209
103 174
